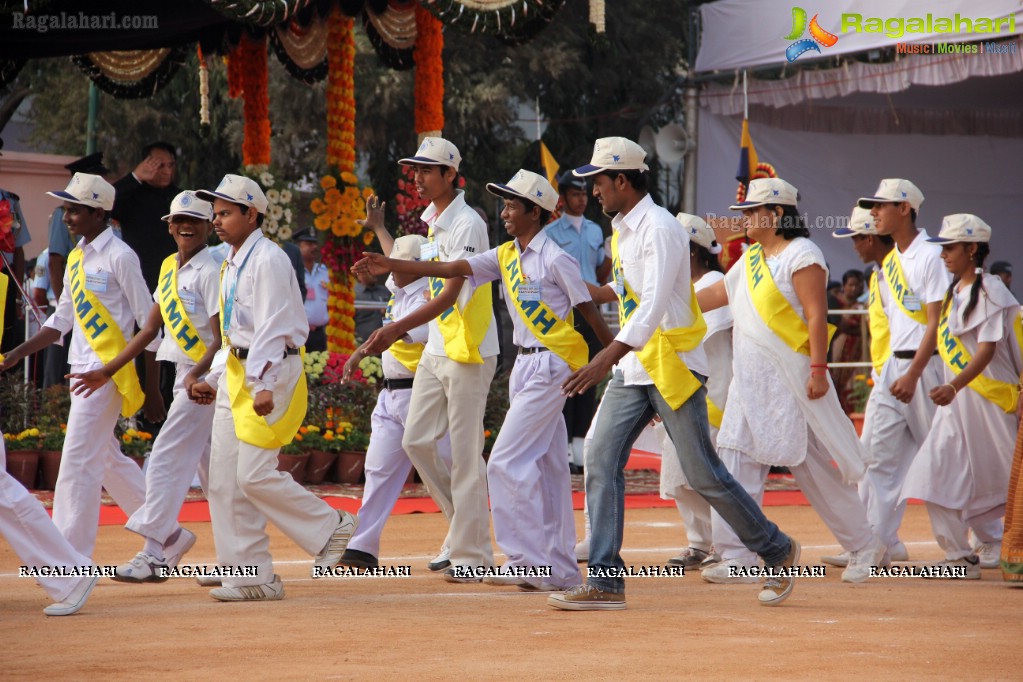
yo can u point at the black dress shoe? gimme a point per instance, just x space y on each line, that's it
353 557
575 469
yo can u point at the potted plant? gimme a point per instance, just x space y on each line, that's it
136 444
293 457
861 387
351 459
23 455
320 446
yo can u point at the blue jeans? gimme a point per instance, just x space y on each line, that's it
626 410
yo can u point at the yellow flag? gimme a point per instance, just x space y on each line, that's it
550 166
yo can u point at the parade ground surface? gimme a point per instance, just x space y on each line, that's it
423 628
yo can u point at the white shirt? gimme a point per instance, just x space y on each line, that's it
460 233
653 252
316 281
561 284
126 297
267 315
407 300
928 278
199 291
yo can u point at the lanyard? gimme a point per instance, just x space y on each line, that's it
229 301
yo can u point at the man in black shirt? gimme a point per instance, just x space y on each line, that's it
143 198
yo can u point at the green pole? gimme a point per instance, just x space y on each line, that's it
90 133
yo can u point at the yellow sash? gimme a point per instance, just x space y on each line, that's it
880 336
408 354
772 306
659 356
898 287
559 336
175 316
955 355
249 426
103 335
714 413
3 306
464 330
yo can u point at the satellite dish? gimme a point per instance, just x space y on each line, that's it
648 141
671 143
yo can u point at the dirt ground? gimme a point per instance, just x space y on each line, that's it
423 628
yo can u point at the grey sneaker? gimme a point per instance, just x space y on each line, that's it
271 591
587 598
143 568
967 568
441 562
778 588
335 548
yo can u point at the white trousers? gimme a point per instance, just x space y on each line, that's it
183 445
836 502
92 460
246 490
451 397
530 485
952 532
893 435
692 507
387 467
34 538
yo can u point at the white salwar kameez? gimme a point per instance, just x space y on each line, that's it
770 421
963 465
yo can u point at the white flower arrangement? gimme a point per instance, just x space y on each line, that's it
277 223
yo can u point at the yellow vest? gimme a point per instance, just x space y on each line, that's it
102 334
772 306
557 335
880 335
898 287
408 354
175 316
249 426
659 356
955 355
463 330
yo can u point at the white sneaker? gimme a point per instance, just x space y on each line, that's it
720 574
840 560
331 553
582 550
898 552
440 562
74 601
143 568
861 562
172 553
967 568
989 555
271 591
504 580
209 580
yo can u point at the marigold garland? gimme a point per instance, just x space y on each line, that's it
252 63
429 84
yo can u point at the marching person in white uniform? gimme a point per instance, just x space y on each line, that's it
782 407
261 398
962 467
104 297
186 306
387 465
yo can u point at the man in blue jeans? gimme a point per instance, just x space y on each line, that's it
661 325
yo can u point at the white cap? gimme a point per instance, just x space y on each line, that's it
764 191
190 205
962 227
616 154
408 247
860 222
237 189
88 190
699 231
894 190
529 186
434 151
